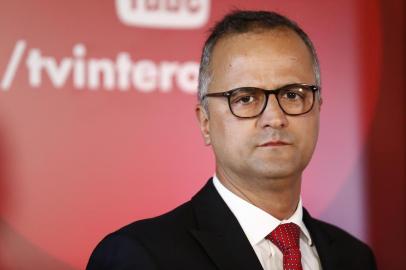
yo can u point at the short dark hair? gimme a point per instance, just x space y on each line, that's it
243 21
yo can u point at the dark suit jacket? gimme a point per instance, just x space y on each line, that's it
203 234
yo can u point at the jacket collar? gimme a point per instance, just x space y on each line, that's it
220 234
328 253
223 239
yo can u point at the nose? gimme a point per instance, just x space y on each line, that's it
273 116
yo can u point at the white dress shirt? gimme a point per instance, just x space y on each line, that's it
257 224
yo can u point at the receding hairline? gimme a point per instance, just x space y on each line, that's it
278 32
260 29
242 22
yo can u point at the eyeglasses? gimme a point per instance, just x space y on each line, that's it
248 102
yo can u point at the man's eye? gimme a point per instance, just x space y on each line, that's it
293 95
245 99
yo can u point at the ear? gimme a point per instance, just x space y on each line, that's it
320 103
204 124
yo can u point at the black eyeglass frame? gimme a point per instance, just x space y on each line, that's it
227 94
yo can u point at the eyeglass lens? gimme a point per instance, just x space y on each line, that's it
250 101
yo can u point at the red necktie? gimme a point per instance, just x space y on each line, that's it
286 238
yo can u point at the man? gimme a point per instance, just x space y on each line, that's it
259 105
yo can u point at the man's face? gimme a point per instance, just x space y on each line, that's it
272 145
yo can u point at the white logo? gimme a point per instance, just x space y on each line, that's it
184 14
121 73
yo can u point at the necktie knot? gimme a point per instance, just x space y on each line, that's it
286 237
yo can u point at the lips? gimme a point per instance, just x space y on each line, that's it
274 143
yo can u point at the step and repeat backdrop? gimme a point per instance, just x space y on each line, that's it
97 123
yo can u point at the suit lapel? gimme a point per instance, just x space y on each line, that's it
329 256
223 239
220 234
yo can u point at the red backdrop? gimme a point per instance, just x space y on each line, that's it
97 125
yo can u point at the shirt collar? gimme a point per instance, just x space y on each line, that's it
255 222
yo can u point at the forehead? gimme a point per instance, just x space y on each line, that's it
268 59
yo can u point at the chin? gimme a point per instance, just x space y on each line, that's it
277 171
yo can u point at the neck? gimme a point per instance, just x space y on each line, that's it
278 197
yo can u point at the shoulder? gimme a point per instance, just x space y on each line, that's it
161 229
134 246
337 234
117 251
345 246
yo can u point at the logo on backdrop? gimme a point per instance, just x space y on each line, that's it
122 73
176 14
